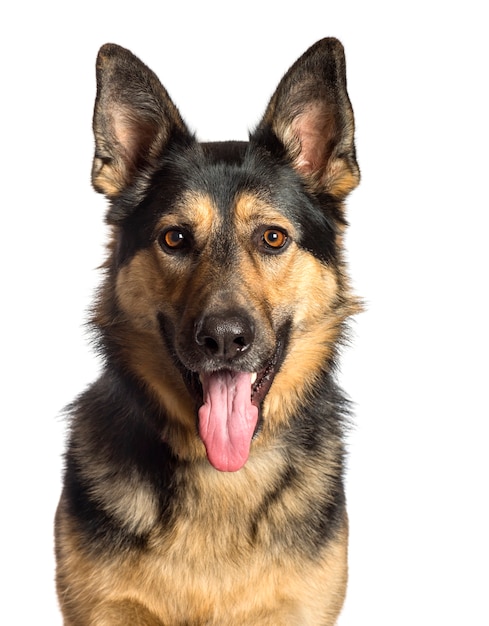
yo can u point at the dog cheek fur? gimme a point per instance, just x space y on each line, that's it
318 315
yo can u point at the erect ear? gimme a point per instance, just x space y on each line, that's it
133 120
310 113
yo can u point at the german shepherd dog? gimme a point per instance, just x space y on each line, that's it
203 476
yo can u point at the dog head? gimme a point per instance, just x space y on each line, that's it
226 292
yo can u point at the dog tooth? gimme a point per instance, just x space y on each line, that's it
253 377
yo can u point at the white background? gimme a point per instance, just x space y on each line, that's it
417 370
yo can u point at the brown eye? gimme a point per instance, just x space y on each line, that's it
173 239
274 238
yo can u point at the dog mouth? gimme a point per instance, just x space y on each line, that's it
229 415
229 397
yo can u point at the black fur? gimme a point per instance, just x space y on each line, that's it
223 170
210 451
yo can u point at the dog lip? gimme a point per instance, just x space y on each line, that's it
264 379
261 380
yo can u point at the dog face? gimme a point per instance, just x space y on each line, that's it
226 292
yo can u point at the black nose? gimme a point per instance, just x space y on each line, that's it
224 336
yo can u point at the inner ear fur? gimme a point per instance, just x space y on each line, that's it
311 115
133 119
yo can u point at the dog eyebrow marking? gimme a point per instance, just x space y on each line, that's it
195 210
250 209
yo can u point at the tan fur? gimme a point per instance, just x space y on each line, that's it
210 573
298 284
151 530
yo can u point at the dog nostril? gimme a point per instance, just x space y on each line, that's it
224 336
223 346
241 343
211 345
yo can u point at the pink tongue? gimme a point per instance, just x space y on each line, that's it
227 419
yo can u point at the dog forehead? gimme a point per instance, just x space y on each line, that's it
206 212
236 189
